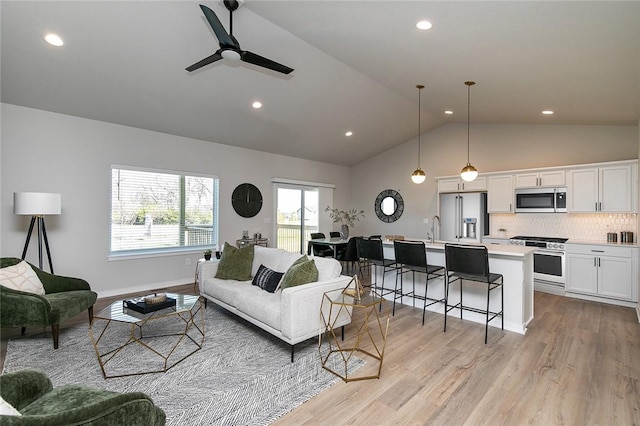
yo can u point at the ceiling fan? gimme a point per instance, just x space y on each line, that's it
229 46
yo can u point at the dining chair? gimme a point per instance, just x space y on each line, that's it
320 250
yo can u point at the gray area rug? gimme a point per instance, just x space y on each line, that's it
241 376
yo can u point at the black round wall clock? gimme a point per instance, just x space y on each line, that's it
246 200
389 205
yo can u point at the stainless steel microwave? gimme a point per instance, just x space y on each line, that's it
541 200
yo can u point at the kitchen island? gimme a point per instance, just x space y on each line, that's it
515 263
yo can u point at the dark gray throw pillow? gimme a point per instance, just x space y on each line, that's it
267 279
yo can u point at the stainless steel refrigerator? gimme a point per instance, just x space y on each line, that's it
464 217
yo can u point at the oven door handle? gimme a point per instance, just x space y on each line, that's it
550 252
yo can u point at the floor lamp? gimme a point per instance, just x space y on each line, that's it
37 205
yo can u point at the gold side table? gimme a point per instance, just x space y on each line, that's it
371 331
170 335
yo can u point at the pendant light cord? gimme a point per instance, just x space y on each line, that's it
468 119
419 86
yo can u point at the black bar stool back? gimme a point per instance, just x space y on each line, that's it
411 256
471 263
370 253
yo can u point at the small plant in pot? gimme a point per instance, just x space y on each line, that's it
207 254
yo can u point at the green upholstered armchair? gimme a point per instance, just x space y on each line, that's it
64 298
32 394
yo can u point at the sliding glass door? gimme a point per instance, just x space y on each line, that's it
296 216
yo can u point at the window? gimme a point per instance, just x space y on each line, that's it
155 211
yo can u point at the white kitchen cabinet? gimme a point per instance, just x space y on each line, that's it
500 194
603 271
546 178
459 185
603 189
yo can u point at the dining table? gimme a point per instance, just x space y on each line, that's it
335 243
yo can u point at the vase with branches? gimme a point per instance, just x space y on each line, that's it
346 218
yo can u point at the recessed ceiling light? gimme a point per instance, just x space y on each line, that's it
349 133
53 39
424 25
547 112
257 104
448 112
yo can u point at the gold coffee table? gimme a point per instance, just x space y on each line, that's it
166 337
371 328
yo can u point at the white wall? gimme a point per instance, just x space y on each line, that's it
494 147
48 152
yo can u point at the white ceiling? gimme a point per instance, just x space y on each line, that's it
356 66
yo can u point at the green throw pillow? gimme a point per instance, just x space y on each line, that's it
302 271
235 263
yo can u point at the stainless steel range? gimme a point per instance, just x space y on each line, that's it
548 261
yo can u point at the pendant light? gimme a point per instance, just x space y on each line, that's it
418 176
468 172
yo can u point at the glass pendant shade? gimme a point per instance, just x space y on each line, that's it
468 173
418 176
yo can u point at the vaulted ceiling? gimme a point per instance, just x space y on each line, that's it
356 66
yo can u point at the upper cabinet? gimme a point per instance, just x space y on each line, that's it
611 189
459 185
546 178
500 194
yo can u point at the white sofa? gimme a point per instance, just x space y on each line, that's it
292 314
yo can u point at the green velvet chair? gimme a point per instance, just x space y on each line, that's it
33 395
64 298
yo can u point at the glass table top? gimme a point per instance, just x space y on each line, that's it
117 312
347 297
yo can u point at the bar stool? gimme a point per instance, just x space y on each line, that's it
370 253
411 256
471 263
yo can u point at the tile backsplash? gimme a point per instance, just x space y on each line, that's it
580 226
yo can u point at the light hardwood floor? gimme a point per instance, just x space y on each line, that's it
578 364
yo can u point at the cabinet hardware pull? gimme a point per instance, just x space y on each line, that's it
595 262
597 251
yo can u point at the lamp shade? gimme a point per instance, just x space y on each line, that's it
36 203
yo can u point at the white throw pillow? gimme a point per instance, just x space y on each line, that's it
7 409
21 277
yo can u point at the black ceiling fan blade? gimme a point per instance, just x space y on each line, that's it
223 37
261 61
206 61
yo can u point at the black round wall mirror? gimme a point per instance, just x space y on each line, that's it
389 205
246 200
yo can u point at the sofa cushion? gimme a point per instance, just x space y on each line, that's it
269 257
225 290
328 268
21 277
260 305
267 279
286 260
235 263
302 271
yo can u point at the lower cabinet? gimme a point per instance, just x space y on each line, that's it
603 271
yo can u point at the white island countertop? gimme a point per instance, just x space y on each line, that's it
493 249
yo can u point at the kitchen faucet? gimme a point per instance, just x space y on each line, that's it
433 227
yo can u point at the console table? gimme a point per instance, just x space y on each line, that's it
243 242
